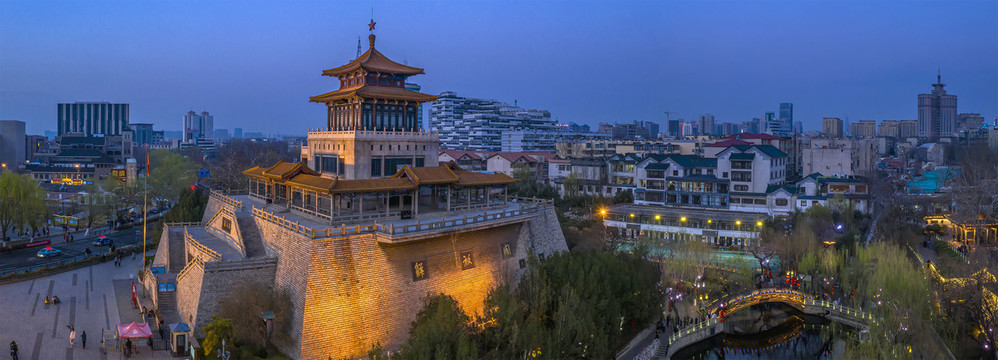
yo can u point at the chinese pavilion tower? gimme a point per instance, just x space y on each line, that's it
372 127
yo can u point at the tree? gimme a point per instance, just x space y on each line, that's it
217 330
95 205
441 331
170 173
245 305
571 184
234 157
21 202
189 208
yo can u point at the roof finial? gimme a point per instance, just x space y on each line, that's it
939 75
370 27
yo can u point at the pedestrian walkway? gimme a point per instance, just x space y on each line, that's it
89 302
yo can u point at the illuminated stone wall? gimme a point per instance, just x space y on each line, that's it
350 293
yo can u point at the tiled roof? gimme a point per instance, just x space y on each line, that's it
314 182
372 185
742 156
729 142
373 61
769 150
428 175
472 178
285 170
657 167
379 92
457 154
773 188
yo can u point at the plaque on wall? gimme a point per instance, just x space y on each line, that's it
507 250
467 260
419 270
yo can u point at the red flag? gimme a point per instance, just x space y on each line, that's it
147 161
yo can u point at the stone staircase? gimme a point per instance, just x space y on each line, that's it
168 307
252 240
663 348
177 250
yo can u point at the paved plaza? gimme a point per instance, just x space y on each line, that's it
93 299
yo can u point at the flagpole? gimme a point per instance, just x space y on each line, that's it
145 208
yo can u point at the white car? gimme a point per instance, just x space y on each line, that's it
48 251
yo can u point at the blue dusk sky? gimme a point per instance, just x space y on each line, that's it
253 64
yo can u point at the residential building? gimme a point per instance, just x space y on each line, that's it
646 130
839 157
92 118
477 124
198 126
586 176
831 127
466 159
508 162
936 112
706 124
676 128
864 128
12 145
898 129
38 148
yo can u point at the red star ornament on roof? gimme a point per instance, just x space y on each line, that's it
371 25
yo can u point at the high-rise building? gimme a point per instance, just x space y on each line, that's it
899 129
706 124
864 128
936 112
222 134
372 124
675 128
11 144
90 118
969 121
141 134
198 126
237 133
831 127
787 112
478 124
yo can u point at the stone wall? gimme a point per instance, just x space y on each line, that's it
350 293
233 237
189 293
291 275
162 257
217 285
211 208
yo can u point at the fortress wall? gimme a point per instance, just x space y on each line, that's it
361 292
189 294
217 285
211 208
216 227
162 257
291 275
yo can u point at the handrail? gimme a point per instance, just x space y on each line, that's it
215 256
223 265
182 224
226 199
391 229
187 268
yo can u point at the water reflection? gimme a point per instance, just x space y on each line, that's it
769 331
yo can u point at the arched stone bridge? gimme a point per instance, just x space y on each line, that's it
801 301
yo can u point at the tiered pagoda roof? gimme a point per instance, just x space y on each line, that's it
373 61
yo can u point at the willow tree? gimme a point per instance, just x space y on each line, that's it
21 202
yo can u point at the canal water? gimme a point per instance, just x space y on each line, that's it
770 331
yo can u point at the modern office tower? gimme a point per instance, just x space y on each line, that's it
706 124
936 112
831 127
478 124
787 112
11 144
372 124
198 126
969 121
864 128
778 126
798 127
419 110
91 118
142 134
237 133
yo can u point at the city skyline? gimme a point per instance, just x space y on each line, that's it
255 65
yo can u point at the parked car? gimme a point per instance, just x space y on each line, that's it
48 251
103 241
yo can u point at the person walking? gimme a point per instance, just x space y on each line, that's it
72 337
13 350
83 340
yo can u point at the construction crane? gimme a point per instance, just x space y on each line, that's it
667 113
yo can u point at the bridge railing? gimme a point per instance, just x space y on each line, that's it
692 329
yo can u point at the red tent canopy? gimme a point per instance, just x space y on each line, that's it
134 330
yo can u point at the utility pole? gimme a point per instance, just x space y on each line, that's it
358 46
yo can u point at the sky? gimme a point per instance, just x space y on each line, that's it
253 64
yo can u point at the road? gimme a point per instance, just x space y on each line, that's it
27 257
